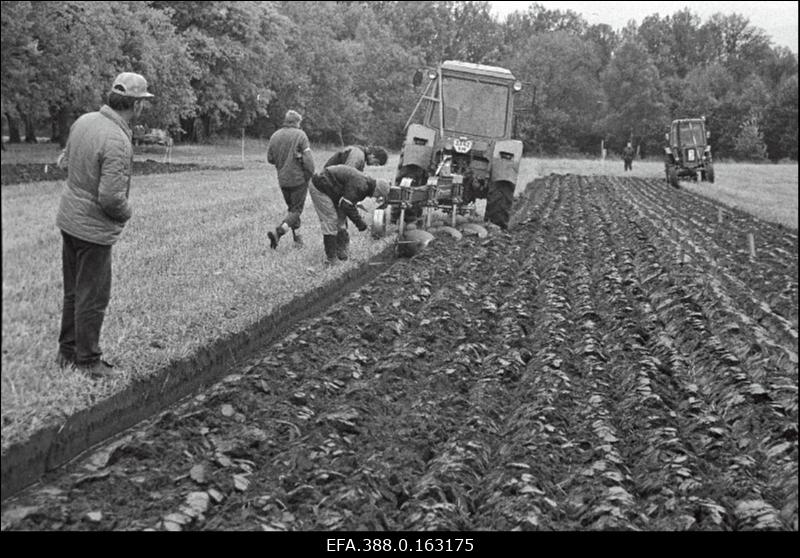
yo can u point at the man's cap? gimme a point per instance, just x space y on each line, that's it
133 85
381 188
292 117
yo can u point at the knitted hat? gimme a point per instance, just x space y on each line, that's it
292 118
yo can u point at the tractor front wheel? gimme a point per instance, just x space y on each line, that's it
672 176
710 173
498 203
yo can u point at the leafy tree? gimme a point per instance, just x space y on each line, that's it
673 42
749 144
324 87
605 41
781 122
445 30
19 51
383 69
637 107
563 69
740 47
74 50
240 49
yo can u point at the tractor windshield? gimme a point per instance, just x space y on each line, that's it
691 133
473 107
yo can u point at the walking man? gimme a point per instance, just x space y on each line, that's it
335 192
289 150
93 210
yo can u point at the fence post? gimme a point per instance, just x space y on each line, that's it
751 244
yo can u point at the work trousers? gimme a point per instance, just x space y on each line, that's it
87 291
331 218
295 199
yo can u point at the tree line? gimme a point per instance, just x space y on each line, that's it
221 68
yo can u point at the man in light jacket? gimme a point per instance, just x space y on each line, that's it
93 210
290 151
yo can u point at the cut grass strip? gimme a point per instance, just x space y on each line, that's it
193 265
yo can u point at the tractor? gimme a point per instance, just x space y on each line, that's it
457 149
687 153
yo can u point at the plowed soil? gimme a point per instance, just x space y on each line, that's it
616 360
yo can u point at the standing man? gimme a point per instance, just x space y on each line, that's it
289 150
93 211
357 156
335 193
627 156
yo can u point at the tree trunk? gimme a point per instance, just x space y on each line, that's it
13 130
206 128
187 125
30 129
60 125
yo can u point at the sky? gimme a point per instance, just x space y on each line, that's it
776 19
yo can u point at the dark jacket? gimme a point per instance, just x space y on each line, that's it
289 150
628 153
99 159
347 186
354 156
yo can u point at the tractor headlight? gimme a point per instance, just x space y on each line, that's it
517 86
432 74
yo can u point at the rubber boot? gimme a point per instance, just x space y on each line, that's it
329 243
343 244
274 237
298 240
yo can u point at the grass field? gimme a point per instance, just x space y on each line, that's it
194 263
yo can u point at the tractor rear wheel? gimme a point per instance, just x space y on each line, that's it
498 203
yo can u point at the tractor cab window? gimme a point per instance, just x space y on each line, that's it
691 133
473 107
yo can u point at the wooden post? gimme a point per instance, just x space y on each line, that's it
242 145
751 244
719 215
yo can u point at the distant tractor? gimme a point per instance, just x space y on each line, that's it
687 153
458 147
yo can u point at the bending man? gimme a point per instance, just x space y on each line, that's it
335 192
